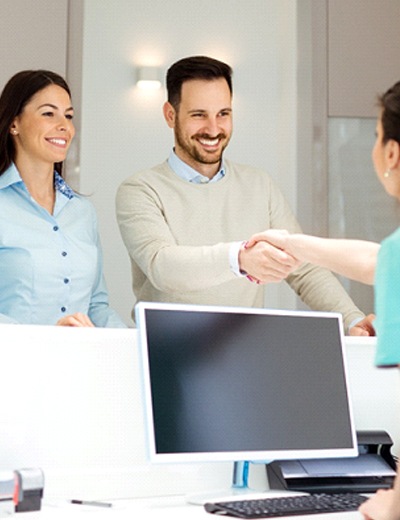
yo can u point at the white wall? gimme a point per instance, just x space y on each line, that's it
123 131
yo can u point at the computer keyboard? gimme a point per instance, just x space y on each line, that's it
288 505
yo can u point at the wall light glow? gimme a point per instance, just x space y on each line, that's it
148 78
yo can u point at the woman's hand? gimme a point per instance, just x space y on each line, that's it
266 263
75 320
280 238
381 506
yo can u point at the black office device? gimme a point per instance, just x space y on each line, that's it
240 384
374 468
288 506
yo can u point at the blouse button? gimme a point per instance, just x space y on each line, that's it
64 253
63 309
66 280
55 228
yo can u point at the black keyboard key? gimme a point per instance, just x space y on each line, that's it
295 505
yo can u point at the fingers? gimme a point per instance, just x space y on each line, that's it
364 327
276 237
280 261
379 506
265 263
75 320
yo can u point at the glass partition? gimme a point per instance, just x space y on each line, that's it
359 207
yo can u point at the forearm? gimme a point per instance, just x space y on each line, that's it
186 268
354 259
103 316
99 311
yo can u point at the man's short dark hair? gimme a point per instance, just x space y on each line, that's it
194 67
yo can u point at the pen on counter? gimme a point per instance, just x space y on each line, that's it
94 503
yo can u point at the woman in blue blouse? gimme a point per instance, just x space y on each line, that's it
50 256
369 263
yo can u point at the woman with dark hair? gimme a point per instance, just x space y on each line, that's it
367 262
50 256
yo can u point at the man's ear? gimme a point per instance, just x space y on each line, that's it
169 114
393 154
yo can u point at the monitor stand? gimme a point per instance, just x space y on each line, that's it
239 486
240 477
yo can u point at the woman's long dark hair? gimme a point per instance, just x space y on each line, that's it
16 94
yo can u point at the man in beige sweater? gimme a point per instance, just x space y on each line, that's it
185 221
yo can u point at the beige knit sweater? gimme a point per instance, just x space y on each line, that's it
178 236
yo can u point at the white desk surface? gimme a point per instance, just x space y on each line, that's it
72 406
154 508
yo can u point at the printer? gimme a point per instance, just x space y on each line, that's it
374 468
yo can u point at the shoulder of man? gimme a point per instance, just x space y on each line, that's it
147 174
244 170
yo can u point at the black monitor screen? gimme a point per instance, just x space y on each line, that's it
243 384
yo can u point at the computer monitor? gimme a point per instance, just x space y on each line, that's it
243 384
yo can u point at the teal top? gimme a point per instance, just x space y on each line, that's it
387 302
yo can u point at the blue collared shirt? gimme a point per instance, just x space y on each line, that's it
51 265
187 173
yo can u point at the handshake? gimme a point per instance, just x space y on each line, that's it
270 256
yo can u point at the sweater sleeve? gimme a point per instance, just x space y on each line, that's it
317 287
320 290
151 244
99 311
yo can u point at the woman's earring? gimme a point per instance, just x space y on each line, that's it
387 173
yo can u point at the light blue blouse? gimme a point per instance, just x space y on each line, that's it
50 265
387 302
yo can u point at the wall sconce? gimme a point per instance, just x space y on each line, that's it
148 78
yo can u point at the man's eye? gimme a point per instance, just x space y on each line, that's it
48 114
69 116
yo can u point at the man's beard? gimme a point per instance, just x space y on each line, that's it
200 156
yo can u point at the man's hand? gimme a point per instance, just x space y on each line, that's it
75 320
364 327
265 263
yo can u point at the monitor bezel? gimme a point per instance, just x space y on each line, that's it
229 456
